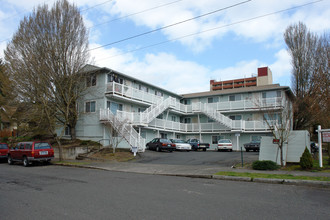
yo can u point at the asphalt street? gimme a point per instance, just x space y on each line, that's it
54 192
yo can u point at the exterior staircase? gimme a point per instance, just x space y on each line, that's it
124 129
212 113
154 110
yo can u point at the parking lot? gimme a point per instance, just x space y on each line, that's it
210 158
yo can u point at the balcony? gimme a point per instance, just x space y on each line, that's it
129 93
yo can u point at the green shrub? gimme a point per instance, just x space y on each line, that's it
306 160
264 165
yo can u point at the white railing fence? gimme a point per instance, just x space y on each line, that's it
124 128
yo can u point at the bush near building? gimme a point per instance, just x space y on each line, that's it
264 165
306 160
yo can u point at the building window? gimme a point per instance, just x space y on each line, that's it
264 95
173 118
143 88
141 109
114 78
215 139
91 80
90 106
235 117
187 120
255 138
187 102
158 93
163 135
235 97
67 131
212 99
160 116
178 136
278 94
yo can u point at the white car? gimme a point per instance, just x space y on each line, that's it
181 145
225 144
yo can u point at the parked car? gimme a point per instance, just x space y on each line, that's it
196 144
3 150
225 144
253 145
314 147
159 144
181 145
30 152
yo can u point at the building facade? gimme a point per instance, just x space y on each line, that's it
139 111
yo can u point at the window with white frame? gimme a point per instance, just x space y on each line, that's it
236 97
212 99
91 80
173 118
90 106
143 88
67 131
209 120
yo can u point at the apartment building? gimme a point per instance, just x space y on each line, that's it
140 111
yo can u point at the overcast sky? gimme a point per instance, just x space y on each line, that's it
232 43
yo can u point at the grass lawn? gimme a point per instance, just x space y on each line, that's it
273 176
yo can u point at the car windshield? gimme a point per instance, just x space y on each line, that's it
255 142
42 145
225 141
165 141
3 146
178 141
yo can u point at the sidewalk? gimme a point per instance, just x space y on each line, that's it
204 172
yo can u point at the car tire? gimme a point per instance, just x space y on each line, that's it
25 162
231 150
247 150
170 151
158 149
204 149
10 160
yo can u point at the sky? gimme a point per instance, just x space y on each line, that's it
189 42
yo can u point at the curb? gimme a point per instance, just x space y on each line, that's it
322 184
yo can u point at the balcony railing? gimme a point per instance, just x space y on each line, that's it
239 125
128 92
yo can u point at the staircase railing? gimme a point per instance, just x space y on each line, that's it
124 129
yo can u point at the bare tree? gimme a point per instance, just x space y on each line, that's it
279 121
310 74
117 132
44 58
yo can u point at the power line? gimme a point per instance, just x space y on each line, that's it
96 5
212 29
126 16
171 25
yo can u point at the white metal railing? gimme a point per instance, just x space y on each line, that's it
247 104
208 127
125 129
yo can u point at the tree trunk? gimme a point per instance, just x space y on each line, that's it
281 156
73 133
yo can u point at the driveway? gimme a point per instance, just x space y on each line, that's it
209 158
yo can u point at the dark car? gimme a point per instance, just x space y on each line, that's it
3 151
159 144
253 145
30 152
196 144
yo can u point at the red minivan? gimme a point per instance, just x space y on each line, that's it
3 150
29 152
